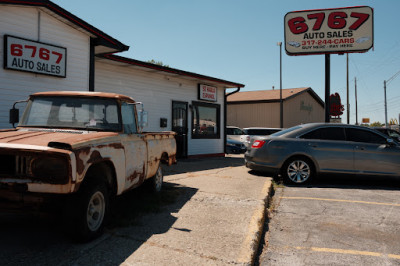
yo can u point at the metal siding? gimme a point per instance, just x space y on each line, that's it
23 22
268 114
253 115
293 114
157 91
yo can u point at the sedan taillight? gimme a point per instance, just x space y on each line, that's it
258 144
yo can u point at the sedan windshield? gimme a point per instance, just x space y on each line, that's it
72 112
288 130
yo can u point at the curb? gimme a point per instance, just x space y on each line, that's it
251 244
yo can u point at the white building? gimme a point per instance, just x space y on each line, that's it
47 48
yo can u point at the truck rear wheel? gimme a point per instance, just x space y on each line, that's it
91 210
157 180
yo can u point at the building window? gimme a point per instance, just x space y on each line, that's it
205 120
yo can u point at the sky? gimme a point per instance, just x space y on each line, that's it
236 40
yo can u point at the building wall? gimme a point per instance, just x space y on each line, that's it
33 24
157 91
302 108
253 115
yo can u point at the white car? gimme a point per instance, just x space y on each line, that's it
257 131
235 133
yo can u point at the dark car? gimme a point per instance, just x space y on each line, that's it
234 146
389 132
302 152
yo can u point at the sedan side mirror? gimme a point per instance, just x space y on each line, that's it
390 142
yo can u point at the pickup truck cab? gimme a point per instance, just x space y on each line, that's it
84 147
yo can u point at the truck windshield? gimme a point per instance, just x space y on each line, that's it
72 112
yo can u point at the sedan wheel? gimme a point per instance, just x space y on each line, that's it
298 171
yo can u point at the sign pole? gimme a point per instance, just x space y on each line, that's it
327 86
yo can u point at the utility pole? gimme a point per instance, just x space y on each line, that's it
347 81
355 85
384 91
386 82
280 86
327 88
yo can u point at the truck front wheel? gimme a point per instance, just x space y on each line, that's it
91 211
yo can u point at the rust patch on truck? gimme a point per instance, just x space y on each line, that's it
139 177
80 164
95 157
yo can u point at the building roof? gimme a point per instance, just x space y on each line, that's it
105 45
265 96
119 60
103 42
89 94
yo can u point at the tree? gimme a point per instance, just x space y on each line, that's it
159 63
376 124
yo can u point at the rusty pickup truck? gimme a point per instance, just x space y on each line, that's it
84 148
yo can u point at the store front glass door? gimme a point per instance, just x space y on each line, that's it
180 126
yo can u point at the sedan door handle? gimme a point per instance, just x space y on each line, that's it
360 148
312 145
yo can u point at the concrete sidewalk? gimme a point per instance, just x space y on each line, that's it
216 220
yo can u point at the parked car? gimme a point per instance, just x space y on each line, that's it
302 152
234 133
257 131
389 132
234 146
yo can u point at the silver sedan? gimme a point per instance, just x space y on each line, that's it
305 151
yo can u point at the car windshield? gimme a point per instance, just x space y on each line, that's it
72 112
288 130
234 131
256 131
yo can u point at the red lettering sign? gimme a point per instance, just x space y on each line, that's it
207 93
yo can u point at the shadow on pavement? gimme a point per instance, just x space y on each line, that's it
202 164
136 216
347 182
357 182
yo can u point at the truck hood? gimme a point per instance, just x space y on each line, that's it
65 139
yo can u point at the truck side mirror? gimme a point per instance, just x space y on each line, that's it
14 116
14 113
143 119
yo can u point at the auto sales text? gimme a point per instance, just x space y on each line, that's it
28 65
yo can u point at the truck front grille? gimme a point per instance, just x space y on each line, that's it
21 165
14 165
7 164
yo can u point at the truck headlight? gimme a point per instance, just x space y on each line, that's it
53 170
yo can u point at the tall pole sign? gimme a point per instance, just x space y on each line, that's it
329 31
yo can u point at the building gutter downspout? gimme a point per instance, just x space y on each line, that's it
225 108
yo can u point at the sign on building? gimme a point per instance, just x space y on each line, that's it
36 57
341 30
207 93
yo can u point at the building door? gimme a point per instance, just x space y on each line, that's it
180 126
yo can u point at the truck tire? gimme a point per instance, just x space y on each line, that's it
157 180
90 211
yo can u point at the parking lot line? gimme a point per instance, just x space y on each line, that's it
349 252
349 201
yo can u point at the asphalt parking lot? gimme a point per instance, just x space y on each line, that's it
335 221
